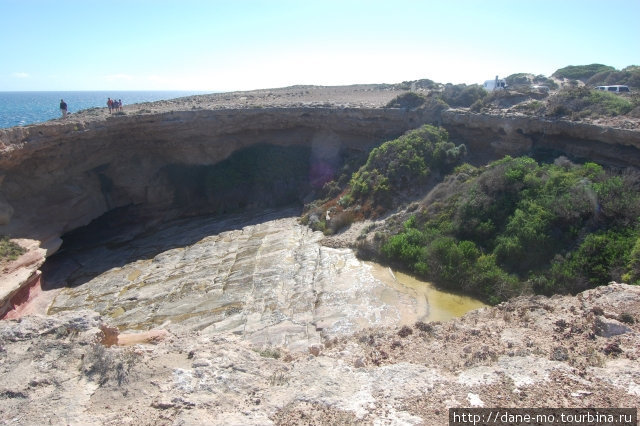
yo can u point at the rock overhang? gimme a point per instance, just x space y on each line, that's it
58 176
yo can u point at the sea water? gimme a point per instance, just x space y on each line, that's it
22 108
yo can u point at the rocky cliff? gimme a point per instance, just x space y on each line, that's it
230 152
60 175
511 134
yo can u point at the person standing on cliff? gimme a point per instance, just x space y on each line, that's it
63 108
110 104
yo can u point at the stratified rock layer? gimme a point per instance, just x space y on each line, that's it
271 283
58 176
488 136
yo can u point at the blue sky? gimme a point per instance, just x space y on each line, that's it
247 44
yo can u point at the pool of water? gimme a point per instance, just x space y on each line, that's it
432 304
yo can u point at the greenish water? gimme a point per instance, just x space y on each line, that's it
433 304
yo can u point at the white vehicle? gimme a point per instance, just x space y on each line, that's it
617 88
540 88
495 84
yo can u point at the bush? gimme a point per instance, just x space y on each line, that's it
339 221
522 79
629 76
103 364
516 224
408 100
406 161
461 95
533 107
609 104
602 257
9 250
633 274
581 72
581 102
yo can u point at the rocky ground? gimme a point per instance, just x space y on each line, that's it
530 352
355 96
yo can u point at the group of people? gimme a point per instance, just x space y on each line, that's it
114 105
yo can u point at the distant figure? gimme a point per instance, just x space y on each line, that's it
110 105
63 108
119 104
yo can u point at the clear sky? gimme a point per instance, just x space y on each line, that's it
220 45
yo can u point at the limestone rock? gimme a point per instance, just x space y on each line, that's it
59 176
271 283
197 377
607 327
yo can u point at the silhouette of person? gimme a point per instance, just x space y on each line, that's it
110 104
63 108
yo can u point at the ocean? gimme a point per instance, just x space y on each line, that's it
22 108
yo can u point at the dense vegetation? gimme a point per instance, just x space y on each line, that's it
599 75
381 182
629 76
514 226
517 225
581 72
461 95
581 102
408 100
409 159
452 95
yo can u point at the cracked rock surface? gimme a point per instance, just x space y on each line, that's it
271 283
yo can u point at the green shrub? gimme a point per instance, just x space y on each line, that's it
461 95
516 224
633 267
345 200
629 76
581 102
339 221
581 72
9 250
518 79
532 107
526 242
408 100
602 257
609 103
406 161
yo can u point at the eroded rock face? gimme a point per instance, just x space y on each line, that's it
271 283
58 176
491 136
